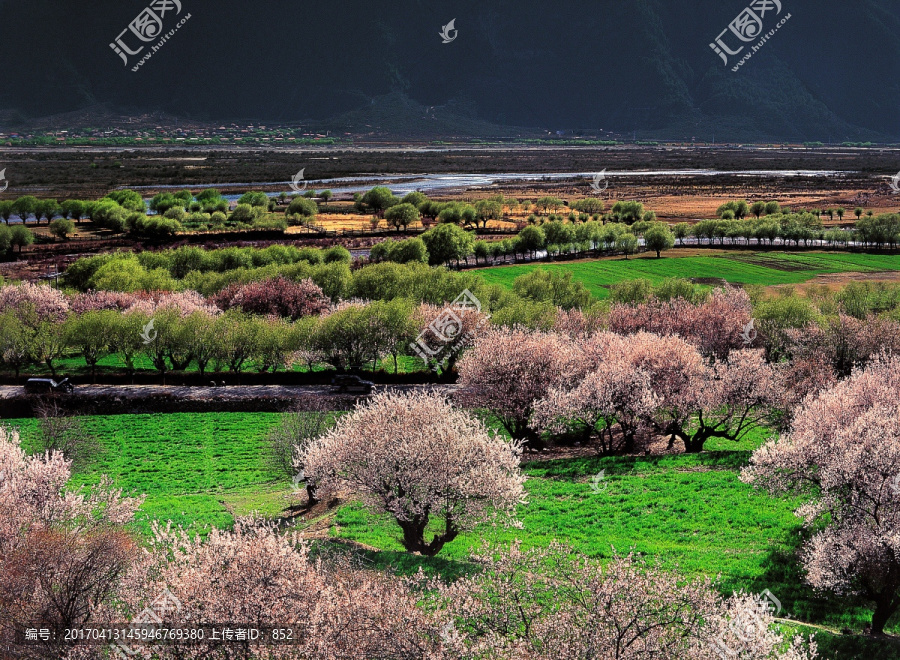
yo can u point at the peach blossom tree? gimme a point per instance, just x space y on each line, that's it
553 604
255 574
843 454
716 326
422 461
727 400
611 402
509 370
62 551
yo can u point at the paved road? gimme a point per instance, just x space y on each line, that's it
231 393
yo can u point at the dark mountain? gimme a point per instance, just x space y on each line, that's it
830 73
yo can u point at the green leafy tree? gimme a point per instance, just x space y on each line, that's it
739 208
487 210
458 213
758 209
549 203
658 238
47 209
402 215
590 206
109 215
412 250
237 335
15 341
244 214
557 233
20 236
255 198
377 201
90 335
415 198
125 338
25 206
61 228
337 254
555 287
627 244
446 243
303 207
681 231
628 212
48 344
6 210
482 251
165 201
531 239
74 209
128 199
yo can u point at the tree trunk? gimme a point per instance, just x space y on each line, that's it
311 495
885 607
414 536
694 445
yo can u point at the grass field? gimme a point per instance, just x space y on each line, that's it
685 513
196 470
766 268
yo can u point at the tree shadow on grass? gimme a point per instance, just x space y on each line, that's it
392 561
785 578
575 468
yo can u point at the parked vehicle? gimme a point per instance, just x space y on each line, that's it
45 385
347 382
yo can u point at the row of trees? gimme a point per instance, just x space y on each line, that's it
451 244
831 331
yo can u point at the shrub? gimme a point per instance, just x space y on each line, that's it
277 296
61 228
302 206
337 254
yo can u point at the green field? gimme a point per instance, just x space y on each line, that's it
766 268
686 513
196 470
